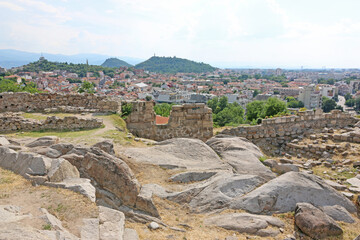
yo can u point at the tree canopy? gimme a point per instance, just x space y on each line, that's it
11 85
262 109
224 113
80 69
174 65
87 87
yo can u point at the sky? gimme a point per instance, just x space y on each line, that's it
224 33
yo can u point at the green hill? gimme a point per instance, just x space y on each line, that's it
173 65
80 69
115 63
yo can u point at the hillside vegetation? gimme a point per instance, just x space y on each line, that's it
115 63
79 69
173 65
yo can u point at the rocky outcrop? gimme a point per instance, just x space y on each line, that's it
115 182
242 155
111 224
107 146
284 192
338 213
315 223
179 153
248 223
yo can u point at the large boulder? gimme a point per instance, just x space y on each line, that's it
24 163
4 141
241 154
314 222
62 169
247 223
79 185
338 213
111 224
112 177
181 153
43 141
63 148
284 192
219 193
106 146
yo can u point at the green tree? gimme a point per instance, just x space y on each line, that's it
87 87
328 104
148 98
255 93
357 104
274 106
163 109
350 102
294 103
254 110
348 96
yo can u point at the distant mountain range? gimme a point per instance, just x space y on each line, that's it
174 65
115 63
13 58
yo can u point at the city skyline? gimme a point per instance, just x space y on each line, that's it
234 34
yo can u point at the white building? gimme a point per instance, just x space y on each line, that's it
311 96
328 91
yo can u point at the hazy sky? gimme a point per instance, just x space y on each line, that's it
233 33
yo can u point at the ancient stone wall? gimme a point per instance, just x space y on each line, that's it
188 121
273 134
52 102
11 122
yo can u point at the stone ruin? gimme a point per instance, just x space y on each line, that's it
12 122
54 102
186 121
275 134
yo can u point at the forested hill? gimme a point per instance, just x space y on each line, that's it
80 69
173 65
115 62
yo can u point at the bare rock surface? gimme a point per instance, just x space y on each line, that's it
80 185
90 229
62 169
284 192
4 141
338 213
107 146
187 177
183 153
111 224
130 234
314 222
247 223
241 154
43 141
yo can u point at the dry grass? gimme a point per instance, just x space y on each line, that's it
68 206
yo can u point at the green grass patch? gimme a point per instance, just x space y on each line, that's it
60 134
39 116
263 158
46 227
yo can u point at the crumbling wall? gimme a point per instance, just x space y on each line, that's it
52 102
12 122
187 121
274 134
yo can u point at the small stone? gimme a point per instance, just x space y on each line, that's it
350 196
153 225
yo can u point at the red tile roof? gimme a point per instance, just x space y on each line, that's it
161 120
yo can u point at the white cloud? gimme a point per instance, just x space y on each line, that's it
243 32
11 6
